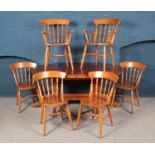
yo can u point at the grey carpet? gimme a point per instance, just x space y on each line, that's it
26 127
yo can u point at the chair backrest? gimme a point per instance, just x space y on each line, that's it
22 72
56 30
131 72
49 83
106 30
102 84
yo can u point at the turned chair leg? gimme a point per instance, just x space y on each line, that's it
132 101
110 115
122 96
83 56
104 58
61 111
79 115
44 120
70 57
17 97
19 101
96 55
112 56
47 49
93 112
100 120
42 113
113 97
137 95
69 116
66 56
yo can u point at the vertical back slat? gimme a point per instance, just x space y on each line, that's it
100 32
111 90
14 75
39 90
122 77
49 33
52 91
139 78
62 87
25 75
65 33
96 87
109 28
53 33
130 75
90 37
108 32
66 37
113 27
29 75
47 86
57 86
87 38
105 86
43 88
104 34
109 86
17 75
58 34
138 71
62 31
21 75
126 75
134 73
91 88
95 36
101 86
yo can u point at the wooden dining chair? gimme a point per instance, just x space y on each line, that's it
130 80
103 37
51 94
56 33
101 90
22 73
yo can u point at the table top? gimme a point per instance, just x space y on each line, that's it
78 73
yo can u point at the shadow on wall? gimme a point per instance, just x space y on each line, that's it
7 83
142 52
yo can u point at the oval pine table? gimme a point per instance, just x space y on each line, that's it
78 74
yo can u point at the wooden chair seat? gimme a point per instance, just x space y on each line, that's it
54 101
94 101
128 86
